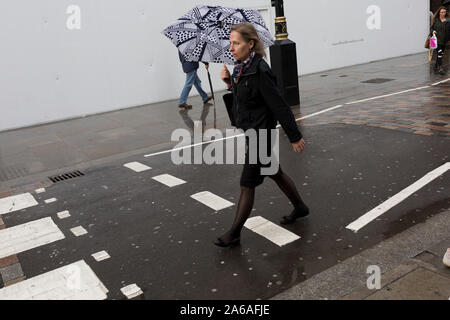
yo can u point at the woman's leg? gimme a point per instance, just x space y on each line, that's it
244 209
288 187
440 54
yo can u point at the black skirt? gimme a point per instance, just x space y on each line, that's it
251 174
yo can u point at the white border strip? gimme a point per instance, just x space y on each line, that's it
398 198
302 118
388 95
443 81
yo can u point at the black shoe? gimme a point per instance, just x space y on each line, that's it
296 214
208 100
185 106
442 72
227 244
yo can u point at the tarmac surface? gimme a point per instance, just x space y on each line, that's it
358 155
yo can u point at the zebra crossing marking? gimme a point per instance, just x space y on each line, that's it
211 200
18 202
169 180
137 166
75 281
271 231
28 236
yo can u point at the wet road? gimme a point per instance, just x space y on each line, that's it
161 239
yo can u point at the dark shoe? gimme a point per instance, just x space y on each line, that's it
442 72
296 214
185 106
226 244
208 99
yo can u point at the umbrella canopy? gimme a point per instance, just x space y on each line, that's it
203 33
446 3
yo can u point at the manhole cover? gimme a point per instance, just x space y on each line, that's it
66 176
377 80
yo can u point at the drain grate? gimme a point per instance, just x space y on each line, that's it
377 80
66 176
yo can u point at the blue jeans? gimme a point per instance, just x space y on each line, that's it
192 79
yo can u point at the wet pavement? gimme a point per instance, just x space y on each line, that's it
160 238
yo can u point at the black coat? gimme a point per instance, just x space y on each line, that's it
447 29
256 102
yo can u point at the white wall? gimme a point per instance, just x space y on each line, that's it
322 41
120 59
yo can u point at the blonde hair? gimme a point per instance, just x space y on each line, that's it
248 33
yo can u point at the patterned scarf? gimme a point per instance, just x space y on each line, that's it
242 66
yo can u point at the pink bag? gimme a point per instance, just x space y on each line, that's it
433 42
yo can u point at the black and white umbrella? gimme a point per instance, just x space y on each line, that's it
203 33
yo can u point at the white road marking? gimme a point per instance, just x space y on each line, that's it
15 203
28 236
398 198
51 200
78 231
131 291
100 256
302 118
137 166
320 112
388 95
169 180
41 190
63 214
271 231
443 81
75 281
211 200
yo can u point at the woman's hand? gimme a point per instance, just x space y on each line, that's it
434 32
299 146
225 75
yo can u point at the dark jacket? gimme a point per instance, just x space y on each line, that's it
188 66
256 102
447 29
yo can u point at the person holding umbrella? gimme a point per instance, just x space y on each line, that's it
440 26
254 91
192 79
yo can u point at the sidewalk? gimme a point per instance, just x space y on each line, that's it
411 269
34 153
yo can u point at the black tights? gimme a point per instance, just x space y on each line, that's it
247 198
440 55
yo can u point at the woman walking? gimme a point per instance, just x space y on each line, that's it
256 103
440 26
